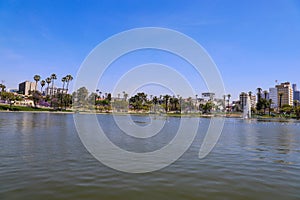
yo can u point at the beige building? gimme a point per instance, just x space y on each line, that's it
285 93
26 87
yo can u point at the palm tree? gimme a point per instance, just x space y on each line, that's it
69 78
64 79
43 83
250 96
53 77
125 95
37 78
2 86
155 101
172 103
228 96
196 101
266 94
259 94
48 81
190 103
166 98
224 100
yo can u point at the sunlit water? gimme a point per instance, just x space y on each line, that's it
42 157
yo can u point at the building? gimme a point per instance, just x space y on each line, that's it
285 94
208 96
253 101
273 95
49 91
26 87
13 90
296 93
244 98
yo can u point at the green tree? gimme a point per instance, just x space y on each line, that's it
67 100
36 97
207 107
139 101
2 86
108 97
92 98
80 97
297 112
260 104
270 105
287 109
9 96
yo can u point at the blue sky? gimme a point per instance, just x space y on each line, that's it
253 43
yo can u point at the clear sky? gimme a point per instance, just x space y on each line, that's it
253 43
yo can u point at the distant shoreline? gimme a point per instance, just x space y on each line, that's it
234 116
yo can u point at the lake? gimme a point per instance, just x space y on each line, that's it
42 157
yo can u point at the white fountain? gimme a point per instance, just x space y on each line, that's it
247 109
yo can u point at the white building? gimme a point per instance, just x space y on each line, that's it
48 91
26 87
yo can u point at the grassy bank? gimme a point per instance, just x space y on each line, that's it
28 109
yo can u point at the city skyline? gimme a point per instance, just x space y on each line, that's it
271 94
252 43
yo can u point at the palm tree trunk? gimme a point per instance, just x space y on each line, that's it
61 96
67 88
48 89
52 92
35 85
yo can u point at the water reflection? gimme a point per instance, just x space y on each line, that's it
41 157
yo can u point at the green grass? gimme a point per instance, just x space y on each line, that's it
24 108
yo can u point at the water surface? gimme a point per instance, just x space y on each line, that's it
42 157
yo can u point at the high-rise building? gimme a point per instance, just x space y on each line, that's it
273 95
253 101
243 100
294 87
296 93
285 94
26 87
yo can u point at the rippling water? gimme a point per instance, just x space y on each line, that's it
42 157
